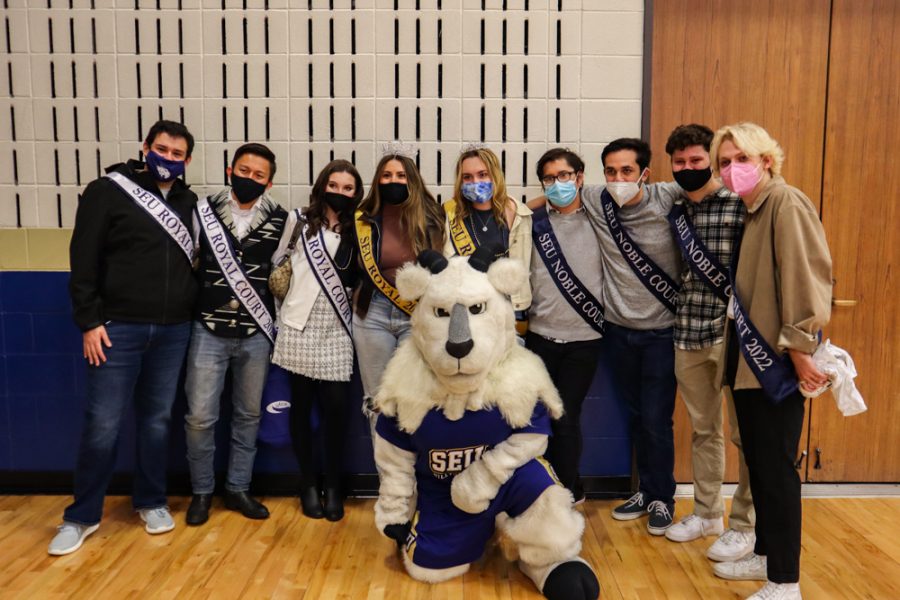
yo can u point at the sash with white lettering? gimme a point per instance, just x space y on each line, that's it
326 273
459 235
654 278
231 268
157 208
775 373
367 253
700 259
571 288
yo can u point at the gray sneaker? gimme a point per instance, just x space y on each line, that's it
69 537
158 520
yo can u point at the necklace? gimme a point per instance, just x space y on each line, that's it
482 222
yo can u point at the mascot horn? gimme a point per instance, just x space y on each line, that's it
465 417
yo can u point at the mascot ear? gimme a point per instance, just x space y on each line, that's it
412 279
507 275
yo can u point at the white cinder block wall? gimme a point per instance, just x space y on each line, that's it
82 80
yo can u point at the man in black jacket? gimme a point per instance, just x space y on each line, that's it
133 292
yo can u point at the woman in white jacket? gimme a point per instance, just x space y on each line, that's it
314 342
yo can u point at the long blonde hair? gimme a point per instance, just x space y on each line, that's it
500 198
421 217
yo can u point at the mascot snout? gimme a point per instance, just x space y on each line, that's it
459 339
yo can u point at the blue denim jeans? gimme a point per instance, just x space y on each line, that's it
209 359
643 370
142 365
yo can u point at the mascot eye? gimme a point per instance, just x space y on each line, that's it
440 312
477 309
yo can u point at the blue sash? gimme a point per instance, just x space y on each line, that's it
774 372
323 267
654 279
699 258
571 288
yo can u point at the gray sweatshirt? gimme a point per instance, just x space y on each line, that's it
626 301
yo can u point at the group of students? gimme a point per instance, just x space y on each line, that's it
721 278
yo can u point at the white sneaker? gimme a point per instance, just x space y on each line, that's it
750 568
158 520
69 537
693 527
732 545
778 591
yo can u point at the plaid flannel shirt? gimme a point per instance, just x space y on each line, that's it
700 319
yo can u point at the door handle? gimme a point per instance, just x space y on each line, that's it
844 303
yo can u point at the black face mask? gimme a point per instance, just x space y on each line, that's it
692 180
245 189
338 202
393 193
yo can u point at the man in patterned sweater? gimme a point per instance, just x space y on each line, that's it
238 230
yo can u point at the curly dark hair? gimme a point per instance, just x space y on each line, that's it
685 136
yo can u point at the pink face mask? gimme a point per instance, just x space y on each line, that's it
741 178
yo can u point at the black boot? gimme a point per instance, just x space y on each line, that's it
334 504
311 502
244 504
198 511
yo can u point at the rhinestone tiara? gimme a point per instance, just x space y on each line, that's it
398 148
472 146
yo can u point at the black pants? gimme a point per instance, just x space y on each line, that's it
571 367
770 434
333 409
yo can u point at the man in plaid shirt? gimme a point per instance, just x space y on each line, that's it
717 216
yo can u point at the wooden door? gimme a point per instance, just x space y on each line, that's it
860 214
718 62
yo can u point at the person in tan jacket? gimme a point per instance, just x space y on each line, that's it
781 300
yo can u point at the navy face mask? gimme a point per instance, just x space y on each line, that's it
162 168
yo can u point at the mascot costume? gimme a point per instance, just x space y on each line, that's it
465 417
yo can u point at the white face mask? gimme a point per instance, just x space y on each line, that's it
623 191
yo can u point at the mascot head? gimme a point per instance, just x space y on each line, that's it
463 323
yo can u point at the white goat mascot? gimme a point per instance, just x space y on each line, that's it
465 416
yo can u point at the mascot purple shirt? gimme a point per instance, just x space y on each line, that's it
465 417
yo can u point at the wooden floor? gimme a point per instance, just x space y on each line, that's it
851 549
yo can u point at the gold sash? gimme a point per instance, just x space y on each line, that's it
366 251
462 241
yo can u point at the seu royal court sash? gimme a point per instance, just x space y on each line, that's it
231 268
699 258
326 273
650 274
775 373
156 207
367 253
571 288
459 235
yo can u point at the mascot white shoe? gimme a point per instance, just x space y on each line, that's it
465 417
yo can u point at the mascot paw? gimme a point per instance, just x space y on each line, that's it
473 489
398 532
572 580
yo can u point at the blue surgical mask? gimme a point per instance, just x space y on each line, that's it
480 192
561 195
162 168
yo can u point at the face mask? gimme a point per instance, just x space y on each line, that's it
741 178
245 189
164 169
561 195
692 180
393 193
479 192
623 191
338 202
